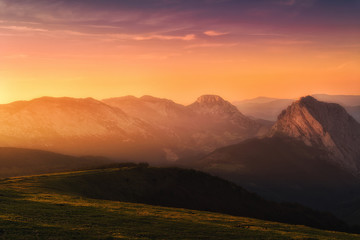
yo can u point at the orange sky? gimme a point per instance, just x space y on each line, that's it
234 58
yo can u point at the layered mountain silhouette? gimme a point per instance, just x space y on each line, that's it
323 125
269 108
310 155
74 126
208 123
133 128
263 107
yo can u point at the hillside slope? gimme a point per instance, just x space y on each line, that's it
29 211
20 162
283 169
189 189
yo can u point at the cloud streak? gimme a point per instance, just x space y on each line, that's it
187 37
211 45
212 33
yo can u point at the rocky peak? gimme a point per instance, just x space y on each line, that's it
210 99
213 104
324 125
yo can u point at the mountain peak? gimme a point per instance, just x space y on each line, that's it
324 125
213 104
308 100
216 108
210 99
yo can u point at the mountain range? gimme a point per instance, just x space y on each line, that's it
310 155
269 108
127 127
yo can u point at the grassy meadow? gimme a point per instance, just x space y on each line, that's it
30 209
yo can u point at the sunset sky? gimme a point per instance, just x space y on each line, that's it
178 49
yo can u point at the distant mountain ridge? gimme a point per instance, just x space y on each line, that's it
269 108
126 127
344 100
72 126
206 124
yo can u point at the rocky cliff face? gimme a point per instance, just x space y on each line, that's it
324 125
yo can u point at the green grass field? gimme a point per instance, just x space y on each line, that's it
31 210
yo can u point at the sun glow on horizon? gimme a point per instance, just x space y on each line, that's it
87 50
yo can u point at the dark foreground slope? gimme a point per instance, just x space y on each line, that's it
285 169
189 189
20 162
31 211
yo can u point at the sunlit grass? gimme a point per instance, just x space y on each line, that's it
30 211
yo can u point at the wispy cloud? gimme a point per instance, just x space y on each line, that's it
288 42
187 37
212 33
153 56
211 45
344 66
23 28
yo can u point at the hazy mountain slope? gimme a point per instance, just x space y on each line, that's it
153 110
19 162
201 127
324 125
263 108
269 108
186 189
74 126
217 111
126 127
63 117
343 100
219 119
174 123
354 111
350 102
